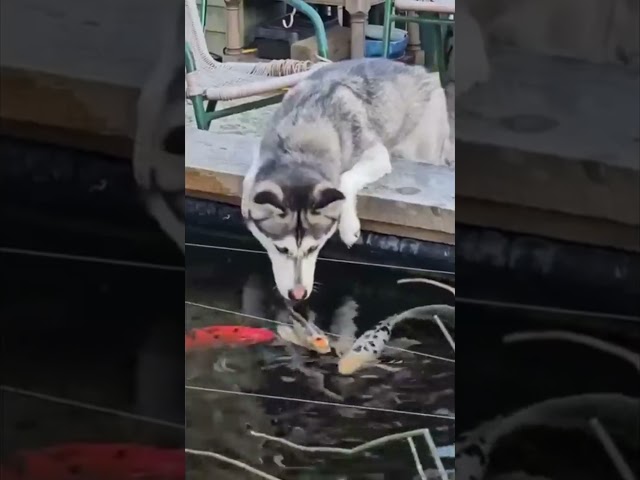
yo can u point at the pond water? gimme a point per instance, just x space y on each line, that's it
289 392
73 330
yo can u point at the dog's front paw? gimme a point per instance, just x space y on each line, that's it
349 228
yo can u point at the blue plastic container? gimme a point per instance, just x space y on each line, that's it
373 42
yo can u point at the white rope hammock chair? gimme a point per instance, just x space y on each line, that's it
228 81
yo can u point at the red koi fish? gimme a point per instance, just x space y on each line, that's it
220 335
104 461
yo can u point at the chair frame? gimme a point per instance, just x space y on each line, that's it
429 13
205 110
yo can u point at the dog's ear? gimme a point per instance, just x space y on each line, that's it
266 203
328 202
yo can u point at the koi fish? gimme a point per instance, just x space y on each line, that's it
366 350
219 335
94 461
304 333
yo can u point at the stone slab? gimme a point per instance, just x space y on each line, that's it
552 134
72 88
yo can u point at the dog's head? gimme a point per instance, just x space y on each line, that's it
292 222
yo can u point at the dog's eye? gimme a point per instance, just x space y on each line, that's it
312 249
283 250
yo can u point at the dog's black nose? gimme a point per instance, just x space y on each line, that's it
297 293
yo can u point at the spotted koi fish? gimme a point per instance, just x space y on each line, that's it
367 349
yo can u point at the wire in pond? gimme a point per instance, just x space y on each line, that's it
434 454
325 259
546 309
88 406
368 446
276 322
612 450
92 259
449 288
445 332
345 451
579 338
319 402
416 458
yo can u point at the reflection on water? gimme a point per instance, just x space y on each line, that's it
413 389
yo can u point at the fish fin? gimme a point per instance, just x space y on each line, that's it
288 334
388 368
298 318
402 342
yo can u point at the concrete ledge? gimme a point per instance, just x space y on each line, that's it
415 201
77 93
554 135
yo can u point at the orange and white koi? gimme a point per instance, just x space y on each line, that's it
304 333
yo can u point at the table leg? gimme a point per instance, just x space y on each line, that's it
414 47
234 37
359 13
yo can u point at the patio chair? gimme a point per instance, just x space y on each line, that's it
212 81
435 13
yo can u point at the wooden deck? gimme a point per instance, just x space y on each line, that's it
551 147
555 155
415 200
72 70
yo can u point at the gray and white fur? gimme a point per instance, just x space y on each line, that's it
335 133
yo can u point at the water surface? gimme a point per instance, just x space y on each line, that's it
421 385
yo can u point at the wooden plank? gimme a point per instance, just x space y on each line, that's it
414 198
76 66
552 134
67 111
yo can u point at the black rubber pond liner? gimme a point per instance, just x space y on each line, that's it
522 268
218 223
40 175
64 199
540 271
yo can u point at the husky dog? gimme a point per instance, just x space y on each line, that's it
333 134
